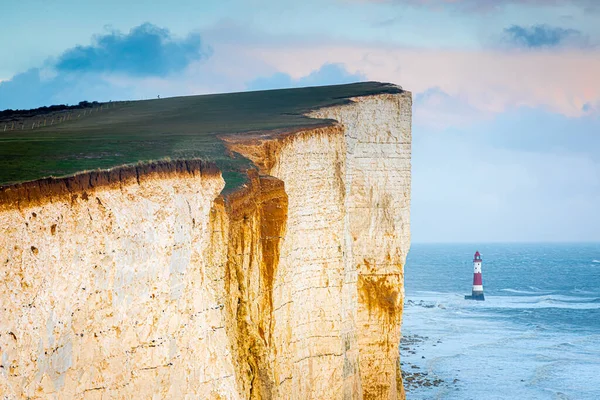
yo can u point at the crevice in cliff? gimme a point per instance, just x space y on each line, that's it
255 348
256 220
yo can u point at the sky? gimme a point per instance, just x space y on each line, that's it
506 113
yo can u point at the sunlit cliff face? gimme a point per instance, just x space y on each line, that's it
151 283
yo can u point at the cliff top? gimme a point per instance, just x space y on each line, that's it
125 133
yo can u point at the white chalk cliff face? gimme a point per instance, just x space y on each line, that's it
156 286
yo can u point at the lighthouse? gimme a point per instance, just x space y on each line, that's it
477 293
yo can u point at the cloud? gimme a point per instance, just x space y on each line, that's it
539 131
34 88
109 69
387 22
521 176
481 194
540 36
488 5
436 109
591 108
561 80
327 74
146 50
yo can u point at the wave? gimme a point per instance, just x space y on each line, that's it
582 291
537 292
544 301
431 292
569 300
507 298
565 344
596 261
535 288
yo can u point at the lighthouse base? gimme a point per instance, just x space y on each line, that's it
475 296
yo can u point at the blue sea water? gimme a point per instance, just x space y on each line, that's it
536 335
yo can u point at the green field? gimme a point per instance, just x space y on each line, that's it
174 128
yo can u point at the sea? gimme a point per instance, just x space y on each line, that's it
536 335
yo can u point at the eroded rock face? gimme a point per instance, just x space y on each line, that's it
291 287
377 232
119 299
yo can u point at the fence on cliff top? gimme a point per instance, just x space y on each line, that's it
54 117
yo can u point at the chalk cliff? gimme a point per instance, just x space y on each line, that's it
148 282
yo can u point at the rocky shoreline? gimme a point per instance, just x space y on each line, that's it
415 375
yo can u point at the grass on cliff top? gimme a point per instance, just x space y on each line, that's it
175 128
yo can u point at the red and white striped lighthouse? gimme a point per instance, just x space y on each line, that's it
477 293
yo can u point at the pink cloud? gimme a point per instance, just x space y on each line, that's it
491 81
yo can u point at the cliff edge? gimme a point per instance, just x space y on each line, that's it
151 281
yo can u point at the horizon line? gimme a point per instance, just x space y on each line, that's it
513 242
